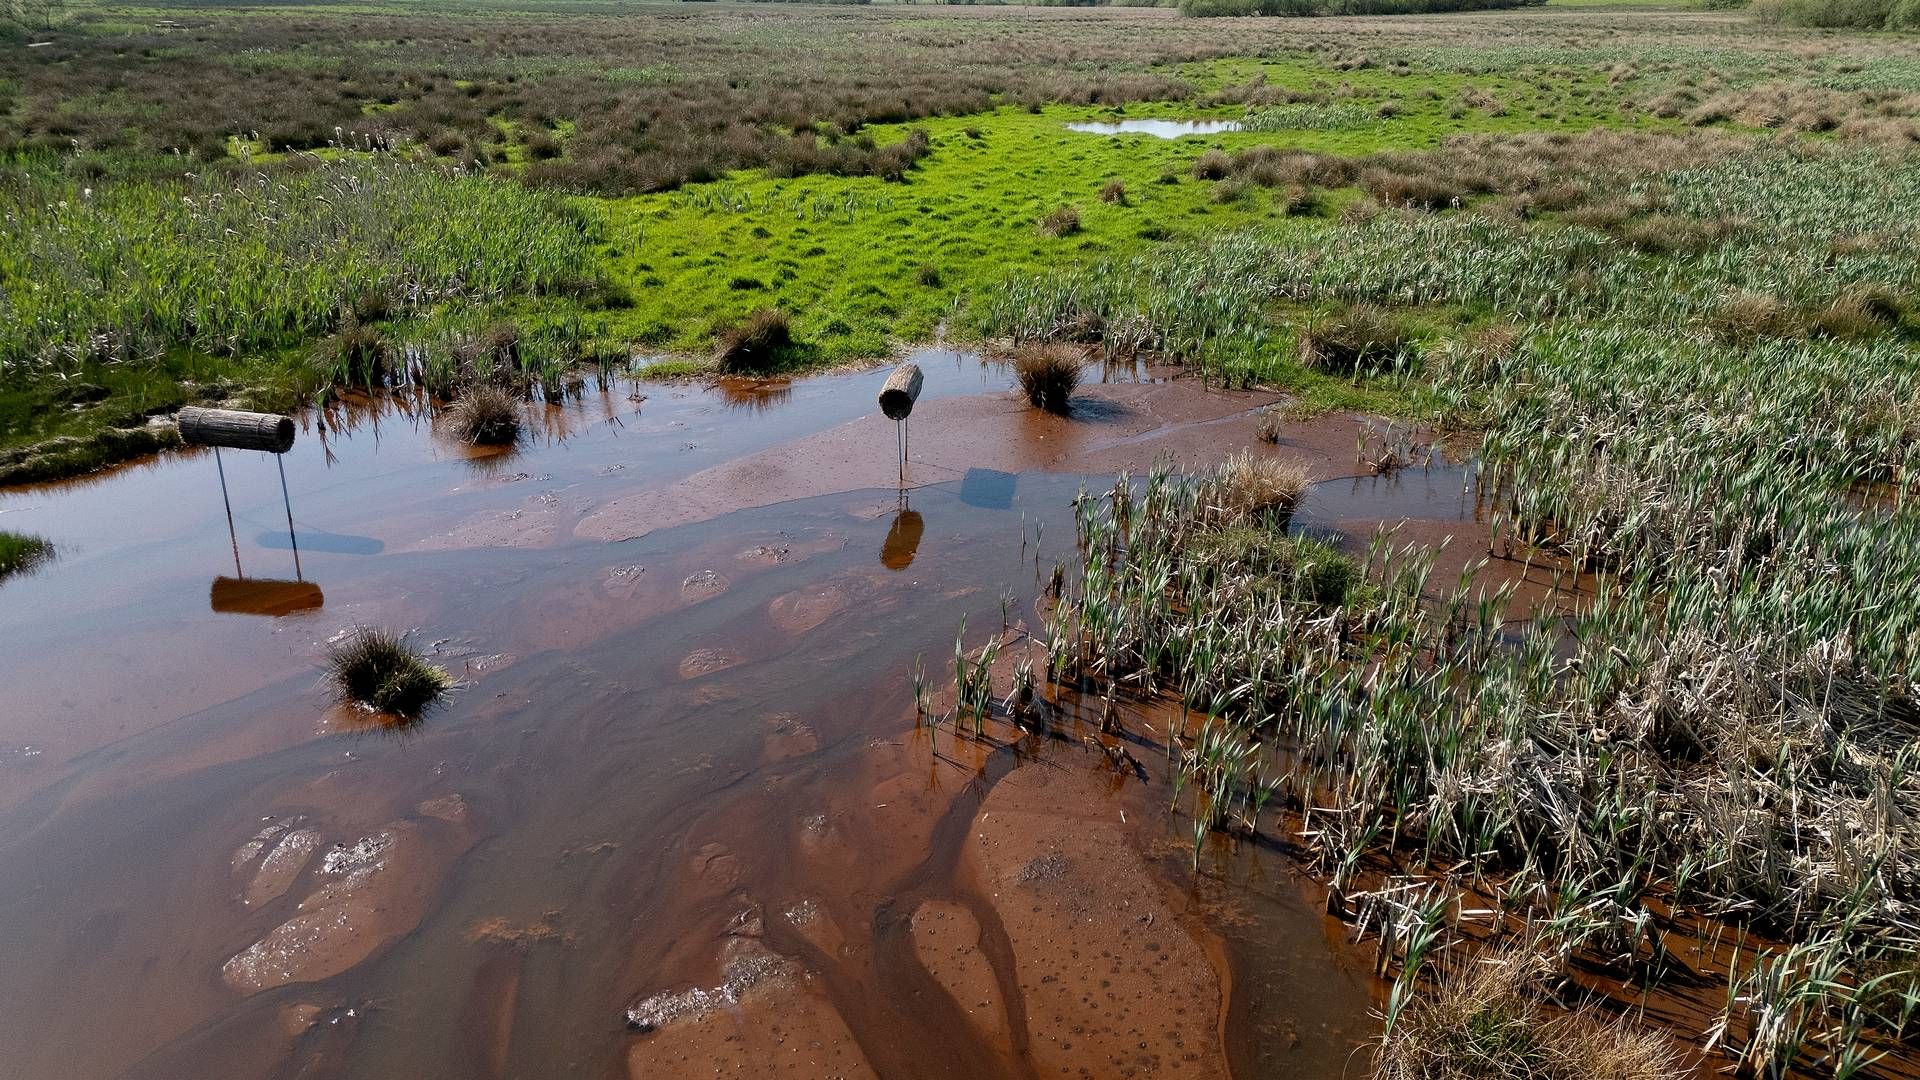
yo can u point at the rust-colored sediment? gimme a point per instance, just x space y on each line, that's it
946 941
1112 980
766 1017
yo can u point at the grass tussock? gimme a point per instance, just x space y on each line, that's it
20 553
1048 374
1272 422
485 415
1274 567
756 343
1485 1023
378 670
1248 488
1361 338
1061 221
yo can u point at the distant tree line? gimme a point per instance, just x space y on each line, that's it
1254 7
1842 14
1343 7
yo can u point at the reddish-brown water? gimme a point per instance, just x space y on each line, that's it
680 776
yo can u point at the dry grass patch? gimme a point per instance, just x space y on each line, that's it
485 416
1061 221
1048 374
1361 337
755 343
1482 1024
1246 488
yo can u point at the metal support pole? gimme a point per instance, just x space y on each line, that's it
291 538
228 503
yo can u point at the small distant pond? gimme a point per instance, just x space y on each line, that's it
1159 129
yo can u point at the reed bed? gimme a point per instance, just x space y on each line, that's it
1803 228
1727 729
1720 742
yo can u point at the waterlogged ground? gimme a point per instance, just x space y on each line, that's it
678 819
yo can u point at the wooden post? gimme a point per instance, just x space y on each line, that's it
901 391
240 430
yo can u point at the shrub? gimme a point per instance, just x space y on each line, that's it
1048 374
1063 221
19 553
485 415
754 343
379 670
541 145
1362 336
1114 192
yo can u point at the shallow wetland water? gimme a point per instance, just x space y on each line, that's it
678 819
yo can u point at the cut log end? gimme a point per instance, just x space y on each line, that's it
231 428
901 391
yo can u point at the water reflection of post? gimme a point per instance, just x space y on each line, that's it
903 537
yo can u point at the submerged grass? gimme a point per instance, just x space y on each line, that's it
20 553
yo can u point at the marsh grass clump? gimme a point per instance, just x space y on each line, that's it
1273 420
1274 566
1745 317
356 355
1048 374
1859 313
1061 221
755 343
1114 192
1361 338
1247 487
20 553
1212 165
379 670
485 415
1485 1023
